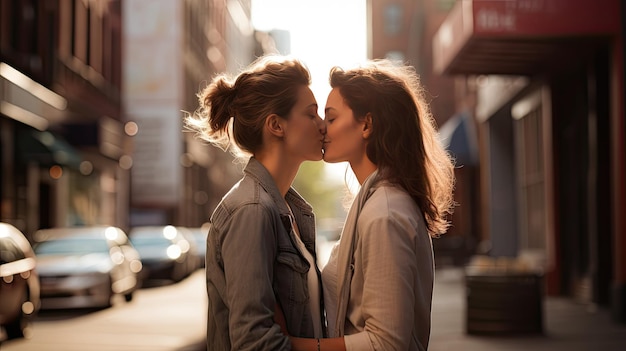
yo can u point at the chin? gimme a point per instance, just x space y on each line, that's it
317 157
330 159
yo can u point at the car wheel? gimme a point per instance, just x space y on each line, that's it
109 300
178 272
16 328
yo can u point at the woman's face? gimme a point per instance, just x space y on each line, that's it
305 128
344 134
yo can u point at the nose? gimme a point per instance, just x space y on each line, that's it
321 124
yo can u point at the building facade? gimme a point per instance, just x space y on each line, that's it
548 80
93 96
172 49
63 149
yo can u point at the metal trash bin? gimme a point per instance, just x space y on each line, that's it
503 302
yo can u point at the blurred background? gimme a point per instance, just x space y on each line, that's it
528 96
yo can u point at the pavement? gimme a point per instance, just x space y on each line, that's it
567 324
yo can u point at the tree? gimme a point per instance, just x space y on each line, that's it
327 196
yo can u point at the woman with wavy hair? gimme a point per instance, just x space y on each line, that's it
260 254
378 282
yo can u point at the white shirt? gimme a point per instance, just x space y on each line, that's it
329 278
313 285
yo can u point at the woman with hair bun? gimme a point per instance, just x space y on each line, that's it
261 244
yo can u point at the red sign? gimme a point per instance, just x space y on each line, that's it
474 28
545 18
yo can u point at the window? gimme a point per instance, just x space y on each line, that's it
393 19
531 188
80 31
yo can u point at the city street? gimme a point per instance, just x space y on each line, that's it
108 119
163 318
172 318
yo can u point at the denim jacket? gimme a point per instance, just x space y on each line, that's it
253 263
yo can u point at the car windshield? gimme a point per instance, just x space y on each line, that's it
150 240
71 246
9 251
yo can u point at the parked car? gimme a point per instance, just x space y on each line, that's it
198 243
85 266
19 284
164 252
199 235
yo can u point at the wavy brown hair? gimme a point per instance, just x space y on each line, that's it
269 85
404 143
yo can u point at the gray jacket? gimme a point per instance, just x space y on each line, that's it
252 263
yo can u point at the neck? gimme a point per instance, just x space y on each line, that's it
363 169
282 170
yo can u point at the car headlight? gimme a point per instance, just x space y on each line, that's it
173 252
136 266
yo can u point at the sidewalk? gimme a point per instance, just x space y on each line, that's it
568 326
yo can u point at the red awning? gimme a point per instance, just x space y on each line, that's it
521 36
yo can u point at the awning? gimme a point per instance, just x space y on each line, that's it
458 136
46 149
29 102
521 37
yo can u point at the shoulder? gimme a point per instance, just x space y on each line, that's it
247 191
389 200
390 207
244 194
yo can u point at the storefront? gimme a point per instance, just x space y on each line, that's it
550 116
49 177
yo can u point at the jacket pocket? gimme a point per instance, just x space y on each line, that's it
291 289
291 278
293 261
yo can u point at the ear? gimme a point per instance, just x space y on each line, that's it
367 126
274 124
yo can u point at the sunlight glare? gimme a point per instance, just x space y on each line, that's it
324 34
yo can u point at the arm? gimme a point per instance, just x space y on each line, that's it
279 318
308 344
249 249
305 344
385 259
